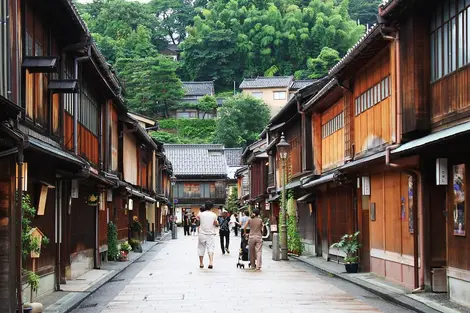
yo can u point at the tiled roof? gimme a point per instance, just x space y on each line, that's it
299 84
198 88
267 82
233 156
197 160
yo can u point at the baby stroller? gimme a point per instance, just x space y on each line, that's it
243 254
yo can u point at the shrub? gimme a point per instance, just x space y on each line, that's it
113 250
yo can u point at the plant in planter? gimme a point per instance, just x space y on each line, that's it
135 244
113 251
350 245
136 228
124 251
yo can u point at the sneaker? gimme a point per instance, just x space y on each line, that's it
228 252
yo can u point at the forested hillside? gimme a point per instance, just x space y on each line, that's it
220 40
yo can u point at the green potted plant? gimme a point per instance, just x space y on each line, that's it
124 251
350 245
136 228
135 244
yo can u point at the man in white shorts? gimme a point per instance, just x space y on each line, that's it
207 231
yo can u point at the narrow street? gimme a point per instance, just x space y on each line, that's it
168 279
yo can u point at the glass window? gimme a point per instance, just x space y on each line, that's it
279 95
449 38
257 94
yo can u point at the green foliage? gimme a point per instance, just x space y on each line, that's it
350 245
294 242
125 246
29 244
246 38
113 249
185 131
136 226
151 83
364 11
135 244
319 66
173 16
33 280
240 120
232 201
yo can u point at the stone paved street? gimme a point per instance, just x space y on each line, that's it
171 281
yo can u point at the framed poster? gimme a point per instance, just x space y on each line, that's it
459 216
410 205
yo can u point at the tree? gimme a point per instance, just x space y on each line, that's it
364 11
151 84
174 17
234 39
232 201
240 120
206 104
318 67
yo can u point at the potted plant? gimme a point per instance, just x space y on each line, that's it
135 244
136 228
27 308
350 245
124 251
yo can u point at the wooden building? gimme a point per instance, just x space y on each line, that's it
201 175
296 127
256 158
63 129
383 150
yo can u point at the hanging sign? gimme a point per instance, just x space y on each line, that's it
74 191
441 172
366 186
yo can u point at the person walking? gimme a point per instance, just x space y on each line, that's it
244 220
193 224
255 241
235 223
207 231
186 223
224 231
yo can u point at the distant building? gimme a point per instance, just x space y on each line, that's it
233 157
193 91
274 91
201 175
172 51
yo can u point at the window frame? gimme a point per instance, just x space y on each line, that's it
278 92
373 96
449 38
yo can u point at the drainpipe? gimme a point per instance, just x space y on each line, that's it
418 243
75 99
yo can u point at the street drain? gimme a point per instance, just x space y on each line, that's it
139 261
86 306
116 280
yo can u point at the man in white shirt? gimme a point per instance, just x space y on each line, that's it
207 231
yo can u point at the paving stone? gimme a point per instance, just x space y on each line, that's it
172 282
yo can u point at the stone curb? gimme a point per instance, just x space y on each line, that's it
400 299
82 296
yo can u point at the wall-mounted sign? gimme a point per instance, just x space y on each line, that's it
372 212
441 172
267 206
93 199
109 195
130 205
74 191
366 186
